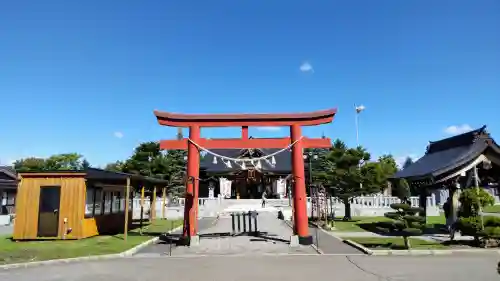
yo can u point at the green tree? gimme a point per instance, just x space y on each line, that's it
388 165
171 167
30 164
346 172
141 161
401 189
85 164
115 167
148 160
64 161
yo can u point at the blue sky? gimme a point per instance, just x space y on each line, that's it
85 76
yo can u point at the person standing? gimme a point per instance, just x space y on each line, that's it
264 195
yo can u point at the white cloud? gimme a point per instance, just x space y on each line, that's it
306 67
118 135
456 130
269 129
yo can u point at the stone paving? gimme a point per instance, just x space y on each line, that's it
267 268
329 244
273 239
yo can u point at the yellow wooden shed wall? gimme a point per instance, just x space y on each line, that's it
72 206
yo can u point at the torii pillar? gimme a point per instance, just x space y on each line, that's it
196 121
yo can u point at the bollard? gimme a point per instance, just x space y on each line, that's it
239 226
250 221
255 222
232 223
244 222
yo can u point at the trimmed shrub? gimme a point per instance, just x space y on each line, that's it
406 221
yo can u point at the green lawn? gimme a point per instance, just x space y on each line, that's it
395 243
16 252
492 209
356 224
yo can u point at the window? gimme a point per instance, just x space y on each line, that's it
89 201
116 202
101 202
98 202
108 199
7 202
93 201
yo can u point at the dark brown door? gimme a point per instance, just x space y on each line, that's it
48 211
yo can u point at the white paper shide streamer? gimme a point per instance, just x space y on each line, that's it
242 162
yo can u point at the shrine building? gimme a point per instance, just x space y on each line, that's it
247 180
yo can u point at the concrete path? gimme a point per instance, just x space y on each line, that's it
269 268
329 244
162 248
274 238
6 229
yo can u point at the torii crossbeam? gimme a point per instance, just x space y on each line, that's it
295 121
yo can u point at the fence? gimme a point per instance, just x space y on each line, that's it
361 206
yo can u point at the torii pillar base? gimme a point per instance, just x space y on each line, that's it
296 240
189 241
305 240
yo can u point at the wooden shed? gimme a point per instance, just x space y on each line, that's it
75 204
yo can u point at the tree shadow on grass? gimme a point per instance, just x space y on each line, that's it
386 228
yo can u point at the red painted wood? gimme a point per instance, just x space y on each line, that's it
237 120
301 225
245 143
244 132
192 187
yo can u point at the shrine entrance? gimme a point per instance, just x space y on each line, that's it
296 142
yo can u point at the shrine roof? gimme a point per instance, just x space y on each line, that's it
259 119
448 154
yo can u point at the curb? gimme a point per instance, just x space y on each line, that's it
127 253
318 250
416 252
358 246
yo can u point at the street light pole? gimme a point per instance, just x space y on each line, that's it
358 110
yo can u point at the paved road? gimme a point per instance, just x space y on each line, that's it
264 268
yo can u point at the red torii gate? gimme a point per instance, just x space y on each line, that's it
196 121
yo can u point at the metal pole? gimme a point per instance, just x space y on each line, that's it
232 223
244 222
356 124
250 221
357 136
239 223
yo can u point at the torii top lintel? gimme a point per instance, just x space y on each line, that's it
236 120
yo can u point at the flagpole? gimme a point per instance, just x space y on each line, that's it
356 124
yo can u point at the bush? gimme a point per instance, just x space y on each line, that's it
472 199
406 222
491 221
490 232
469 225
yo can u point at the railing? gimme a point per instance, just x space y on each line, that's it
362 201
